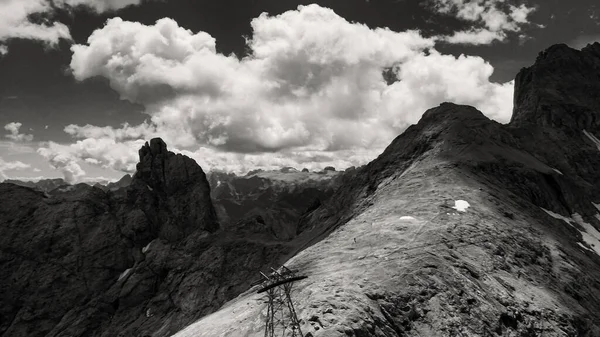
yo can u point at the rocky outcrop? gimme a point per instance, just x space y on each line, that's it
158 191
559 90
142 260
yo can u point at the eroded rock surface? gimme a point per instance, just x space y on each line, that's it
144 260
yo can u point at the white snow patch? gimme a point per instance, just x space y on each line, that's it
461 205
123 274
150 188
557 171
557 216
590 235
145 249
407 218
592 138
597 206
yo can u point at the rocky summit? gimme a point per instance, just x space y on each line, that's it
461 227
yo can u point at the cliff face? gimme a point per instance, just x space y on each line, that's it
462 226
142 260
560 90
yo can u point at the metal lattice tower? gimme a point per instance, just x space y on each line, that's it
281 319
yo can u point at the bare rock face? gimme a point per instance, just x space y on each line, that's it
158 188
144 260
560 89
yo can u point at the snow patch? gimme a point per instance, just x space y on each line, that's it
590 234
150 188
461 205
557 171
145 249
123 274
407 218
557 216
597 206
592 138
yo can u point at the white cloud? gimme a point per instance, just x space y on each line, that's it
104 152
99 6
15 23
475 36
15 18
14 135
61 157
493 19
11 165
310 92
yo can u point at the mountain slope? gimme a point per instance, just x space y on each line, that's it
395 253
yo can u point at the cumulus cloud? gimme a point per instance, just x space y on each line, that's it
310 92
11 165
15 18
104 152
14 135
15 22
493 19
61 158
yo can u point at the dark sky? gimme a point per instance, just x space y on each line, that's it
37 90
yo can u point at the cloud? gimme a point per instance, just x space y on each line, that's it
310 92
16 22
493 19
14 135
100 6
62 158
104 152
11 165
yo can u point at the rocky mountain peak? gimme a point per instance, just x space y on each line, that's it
172 192
450 113
559 90
166 171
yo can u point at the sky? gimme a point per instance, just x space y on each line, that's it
241 85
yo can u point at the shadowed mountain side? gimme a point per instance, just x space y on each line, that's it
276 198
143 260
